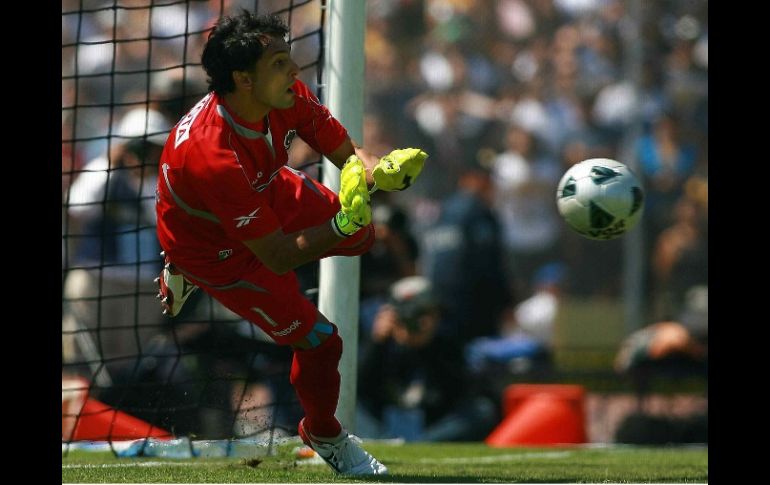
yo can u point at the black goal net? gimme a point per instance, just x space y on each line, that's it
130 70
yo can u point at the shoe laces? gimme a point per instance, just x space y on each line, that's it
346 451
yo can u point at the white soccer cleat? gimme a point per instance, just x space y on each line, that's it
345 456
173 290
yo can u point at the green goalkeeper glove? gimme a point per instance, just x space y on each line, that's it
398 169
355 210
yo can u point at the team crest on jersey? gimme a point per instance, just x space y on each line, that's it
225 253
289 138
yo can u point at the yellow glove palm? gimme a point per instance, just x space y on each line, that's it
354 198
398 169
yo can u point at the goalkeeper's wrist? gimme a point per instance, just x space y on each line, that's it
343 226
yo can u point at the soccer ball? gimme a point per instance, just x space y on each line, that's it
600 198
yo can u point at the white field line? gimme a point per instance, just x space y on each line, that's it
497 458
138 464
457 460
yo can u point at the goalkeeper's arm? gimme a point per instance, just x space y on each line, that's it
282 252
395 171
348 147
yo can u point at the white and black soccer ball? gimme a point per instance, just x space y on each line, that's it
600 198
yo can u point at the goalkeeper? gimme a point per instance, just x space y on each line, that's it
235 220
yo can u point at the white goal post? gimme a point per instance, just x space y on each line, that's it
338 287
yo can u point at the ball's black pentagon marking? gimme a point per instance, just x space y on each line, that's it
600 175
569 188
599 217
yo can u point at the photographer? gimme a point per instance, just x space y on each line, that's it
412 379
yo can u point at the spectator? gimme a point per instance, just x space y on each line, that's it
114 251
680 257
666 160
661 343
463 256
114 196
412 381
393 256
524 179
525 342
678 345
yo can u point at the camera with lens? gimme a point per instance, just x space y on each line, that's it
411 297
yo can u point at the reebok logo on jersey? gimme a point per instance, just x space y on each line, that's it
244 220
286 331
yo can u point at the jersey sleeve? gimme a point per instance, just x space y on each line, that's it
243 212
315 123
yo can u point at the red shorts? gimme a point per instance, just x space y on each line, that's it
274 302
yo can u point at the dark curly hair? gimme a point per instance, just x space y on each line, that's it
236 44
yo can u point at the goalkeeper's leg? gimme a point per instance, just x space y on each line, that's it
275 304
304 202
316 379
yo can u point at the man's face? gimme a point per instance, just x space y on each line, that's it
274 75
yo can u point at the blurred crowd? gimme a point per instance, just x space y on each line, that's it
504 95
529 87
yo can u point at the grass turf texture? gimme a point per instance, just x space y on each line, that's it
410 463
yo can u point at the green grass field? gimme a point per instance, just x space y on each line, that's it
411 463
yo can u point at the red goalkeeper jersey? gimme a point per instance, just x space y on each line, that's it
221 182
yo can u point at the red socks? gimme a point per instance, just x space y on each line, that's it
316 380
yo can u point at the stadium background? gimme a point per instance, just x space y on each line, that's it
522 87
